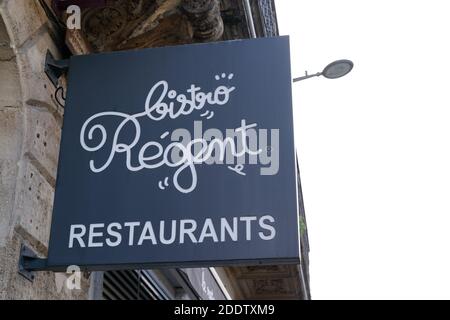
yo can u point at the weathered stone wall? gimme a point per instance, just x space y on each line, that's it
30 126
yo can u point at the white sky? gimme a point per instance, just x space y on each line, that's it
374 146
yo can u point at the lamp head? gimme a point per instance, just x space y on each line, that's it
337 69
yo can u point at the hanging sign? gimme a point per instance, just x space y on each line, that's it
178 156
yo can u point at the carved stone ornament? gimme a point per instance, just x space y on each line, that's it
205 18
106 27
131 24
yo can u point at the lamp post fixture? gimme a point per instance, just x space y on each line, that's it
334 70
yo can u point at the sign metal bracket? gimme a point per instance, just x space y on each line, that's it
30 262
55 68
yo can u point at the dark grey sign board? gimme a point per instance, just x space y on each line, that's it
178 156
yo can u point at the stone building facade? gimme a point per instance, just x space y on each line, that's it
30 129
31 119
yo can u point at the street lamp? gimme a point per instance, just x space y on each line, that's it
334 70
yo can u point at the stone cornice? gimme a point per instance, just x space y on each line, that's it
132 24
